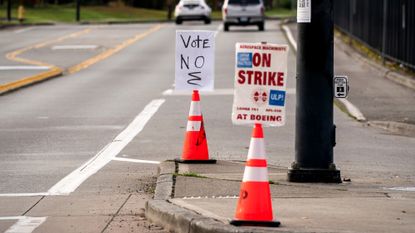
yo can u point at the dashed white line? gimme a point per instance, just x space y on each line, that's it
135 160
407 189
24 67
225 91
72 181
73 47
24 224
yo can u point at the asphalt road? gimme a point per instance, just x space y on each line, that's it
50 129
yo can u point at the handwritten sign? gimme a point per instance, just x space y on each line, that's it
260 84
195 60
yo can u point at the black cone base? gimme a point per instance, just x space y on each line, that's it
208 161
255 223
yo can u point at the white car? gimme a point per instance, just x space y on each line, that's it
243 13
192 10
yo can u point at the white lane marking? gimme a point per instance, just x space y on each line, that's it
218 29
353 110
290 36
225 91
24 67
24 224
62 47
407 189
23 194
135 160
23 30
72 181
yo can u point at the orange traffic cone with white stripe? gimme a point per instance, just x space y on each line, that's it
195 147
254 207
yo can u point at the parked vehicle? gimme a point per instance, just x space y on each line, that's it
192 10
243 13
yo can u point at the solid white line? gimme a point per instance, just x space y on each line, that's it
25 224
218 29
72 181
135 160
23 30
353 110
24 67
290 36
61 47
23 194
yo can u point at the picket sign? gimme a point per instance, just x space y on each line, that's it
260 84
195 60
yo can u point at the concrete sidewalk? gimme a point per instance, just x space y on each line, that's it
207 202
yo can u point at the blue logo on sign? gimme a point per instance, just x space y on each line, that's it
244 60
277 98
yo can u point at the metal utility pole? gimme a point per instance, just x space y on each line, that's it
9 10
78 10
315 131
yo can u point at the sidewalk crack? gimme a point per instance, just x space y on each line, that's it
116 214
33 206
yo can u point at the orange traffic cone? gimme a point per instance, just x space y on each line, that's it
254 207
195 148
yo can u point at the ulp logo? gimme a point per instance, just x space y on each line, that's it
244 60
277 98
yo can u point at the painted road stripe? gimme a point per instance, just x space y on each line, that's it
23 194
290 36
407 189
85 64
225 91
23 30
135 160
69 47
72 181
24 224
24 67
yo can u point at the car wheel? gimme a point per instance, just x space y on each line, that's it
261 26
179 21
226 27
208 20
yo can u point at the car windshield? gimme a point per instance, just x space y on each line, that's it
244 2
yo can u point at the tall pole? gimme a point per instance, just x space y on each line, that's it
315 131
9 10
78 10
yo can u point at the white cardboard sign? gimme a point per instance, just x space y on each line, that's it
260 84
195 60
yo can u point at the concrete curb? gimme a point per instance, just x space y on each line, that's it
31 80
395 127
178 219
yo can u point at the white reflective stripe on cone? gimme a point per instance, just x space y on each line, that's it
195 109
193 125
257 149
255 174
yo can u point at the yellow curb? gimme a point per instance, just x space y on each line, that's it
11 86
85 64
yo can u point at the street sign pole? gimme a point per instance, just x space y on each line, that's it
9 10
78 10
315 131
